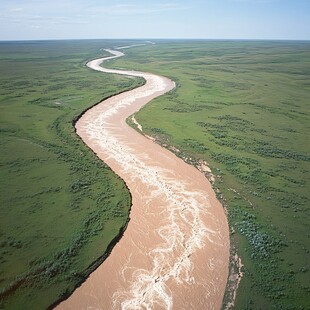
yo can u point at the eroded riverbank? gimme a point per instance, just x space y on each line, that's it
175 251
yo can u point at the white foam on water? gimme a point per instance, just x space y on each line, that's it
183 231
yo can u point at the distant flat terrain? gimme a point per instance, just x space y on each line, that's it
244 108
60 206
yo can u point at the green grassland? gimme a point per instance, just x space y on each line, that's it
60 206
241 106
244 108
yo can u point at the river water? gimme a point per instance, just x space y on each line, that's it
175 251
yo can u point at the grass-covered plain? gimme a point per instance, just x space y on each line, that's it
244 108
60 206
241 106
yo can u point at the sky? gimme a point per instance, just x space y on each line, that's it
197 19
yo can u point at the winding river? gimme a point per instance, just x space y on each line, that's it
175 251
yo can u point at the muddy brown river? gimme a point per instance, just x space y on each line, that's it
175 251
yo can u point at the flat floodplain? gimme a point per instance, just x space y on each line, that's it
60 205
243 107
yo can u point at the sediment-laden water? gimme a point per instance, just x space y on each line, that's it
175 251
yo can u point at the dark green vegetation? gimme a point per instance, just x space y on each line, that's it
244 108
60 205
241 106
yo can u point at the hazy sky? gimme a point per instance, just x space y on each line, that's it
209 19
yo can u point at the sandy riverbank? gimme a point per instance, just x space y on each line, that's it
175 251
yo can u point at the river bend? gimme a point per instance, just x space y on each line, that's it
175 251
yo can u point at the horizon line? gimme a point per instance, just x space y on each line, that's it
162 39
